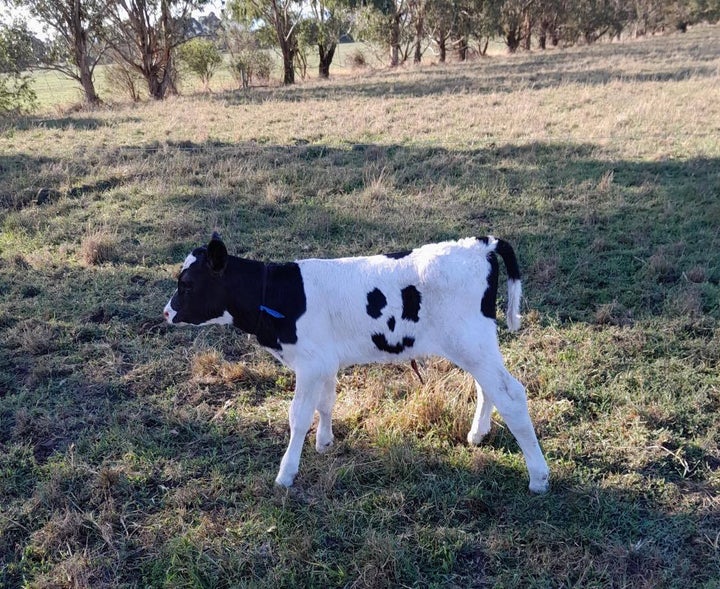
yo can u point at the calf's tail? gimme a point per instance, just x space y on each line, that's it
506 252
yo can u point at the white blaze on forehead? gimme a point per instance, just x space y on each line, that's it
188 262
169 312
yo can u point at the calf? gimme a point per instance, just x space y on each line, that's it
317 316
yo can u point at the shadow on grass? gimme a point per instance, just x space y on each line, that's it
120 458
71 122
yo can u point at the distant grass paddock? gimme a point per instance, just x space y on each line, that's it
136 455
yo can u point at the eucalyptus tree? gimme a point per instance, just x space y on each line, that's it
145 33
329 20
388 24
75 47
282 16
441 20
513 24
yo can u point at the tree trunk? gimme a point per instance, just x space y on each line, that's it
82 58
512 40
527 31
483 46
326 56
443 49
288 46
395 42
462 48
288 56
419 34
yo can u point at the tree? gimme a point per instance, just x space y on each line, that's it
16 56
248 60
440 21
202 58
329 21
145 33
76 47
513 22
550 15
282 16
388 24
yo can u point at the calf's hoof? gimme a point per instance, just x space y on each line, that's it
323 447
540 485
285 480
475 439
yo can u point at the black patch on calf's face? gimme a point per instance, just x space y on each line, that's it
376 302
200 295
411 299
391 323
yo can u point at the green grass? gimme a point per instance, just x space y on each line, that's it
136 455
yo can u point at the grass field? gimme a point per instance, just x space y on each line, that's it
136 455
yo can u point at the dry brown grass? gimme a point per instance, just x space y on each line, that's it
99 246
133 454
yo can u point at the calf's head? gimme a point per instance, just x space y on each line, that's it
201 298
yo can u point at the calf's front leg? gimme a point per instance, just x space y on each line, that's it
310 389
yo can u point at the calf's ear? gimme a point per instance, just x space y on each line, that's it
217 254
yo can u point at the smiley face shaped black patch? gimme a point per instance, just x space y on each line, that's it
377 301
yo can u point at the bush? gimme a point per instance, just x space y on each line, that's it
250 64
16 55
120 77
202 58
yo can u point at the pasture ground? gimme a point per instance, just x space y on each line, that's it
135 455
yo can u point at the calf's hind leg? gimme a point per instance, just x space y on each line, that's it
324 437
508 395
481 422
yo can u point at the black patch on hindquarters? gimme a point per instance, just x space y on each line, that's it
391 324
376 302
398 255
411 300
488 306
383 345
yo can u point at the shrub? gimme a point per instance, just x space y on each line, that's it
122 78
202 58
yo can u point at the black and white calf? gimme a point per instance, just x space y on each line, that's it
317 316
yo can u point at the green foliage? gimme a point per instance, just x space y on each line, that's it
16 56
201 57
248 59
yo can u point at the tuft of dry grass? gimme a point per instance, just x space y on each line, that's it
99 246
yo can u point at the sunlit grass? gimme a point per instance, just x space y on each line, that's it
135 455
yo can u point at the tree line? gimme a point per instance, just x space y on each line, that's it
144 39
